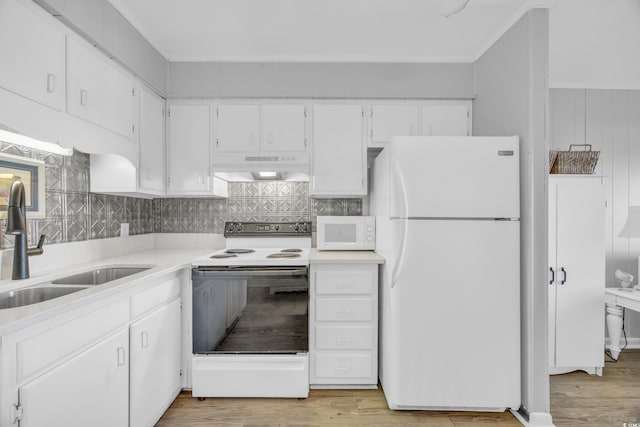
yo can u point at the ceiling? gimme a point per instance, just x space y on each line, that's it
320 30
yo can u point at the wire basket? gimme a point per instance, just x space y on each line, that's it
574 161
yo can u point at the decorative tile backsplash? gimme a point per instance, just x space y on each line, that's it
273 201
73 213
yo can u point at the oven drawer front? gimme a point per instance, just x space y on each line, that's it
342 309
250 375
343 366
344 337
344 282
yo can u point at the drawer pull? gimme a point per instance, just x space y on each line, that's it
343 370
343 339
51 83
121 356
344 284
343 310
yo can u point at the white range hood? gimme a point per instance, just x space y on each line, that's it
244 167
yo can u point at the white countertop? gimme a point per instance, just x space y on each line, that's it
164 261
367 257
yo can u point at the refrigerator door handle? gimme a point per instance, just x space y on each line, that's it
401 188
400 255
553 276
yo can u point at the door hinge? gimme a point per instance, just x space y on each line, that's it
133 128
217 112
305 143
16 413
133 91
371 113
305 112
217 142
168 112
363 112
180 372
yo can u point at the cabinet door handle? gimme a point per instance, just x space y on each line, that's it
144 339
553 276
121 356
564 276
83 97
51 82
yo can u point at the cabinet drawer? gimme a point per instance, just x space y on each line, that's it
344 337
345 366
38 351
167 289
344 282
344 309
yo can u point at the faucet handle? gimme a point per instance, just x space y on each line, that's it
38 249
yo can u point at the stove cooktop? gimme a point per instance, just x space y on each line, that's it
258 257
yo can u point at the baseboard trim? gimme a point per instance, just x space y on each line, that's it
632 342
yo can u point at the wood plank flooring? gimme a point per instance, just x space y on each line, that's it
582 400
577 400
322 408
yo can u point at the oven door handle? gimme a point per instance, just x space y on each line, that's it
250 273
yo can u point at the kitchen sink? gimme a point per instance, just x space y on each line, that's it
99 275
28 296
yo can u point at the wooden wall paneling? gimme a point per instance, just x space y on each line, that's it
620 177
593 124
579 116
561 118
606 164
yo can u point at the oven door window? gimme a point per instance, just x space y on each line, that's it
236 312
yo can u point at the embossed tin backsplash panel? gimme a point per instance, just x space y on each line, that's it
73 213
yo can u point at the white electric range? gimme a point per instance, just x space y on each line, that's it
250 313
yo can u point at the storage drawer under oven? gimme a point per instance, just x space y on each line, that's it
344 309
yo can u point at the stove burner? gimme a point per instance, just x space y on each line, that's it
284 255
238 251
291 250
223 255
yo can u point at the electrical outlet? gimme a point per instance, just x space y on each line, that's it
124 229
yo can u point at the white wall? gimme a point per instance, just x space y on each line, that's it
511 99
320 80
610 121
595 44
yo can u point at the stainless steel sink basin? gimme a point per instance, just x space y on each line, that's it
28 296
99 276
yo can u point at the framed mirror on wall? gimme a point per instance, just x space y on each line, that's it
31 173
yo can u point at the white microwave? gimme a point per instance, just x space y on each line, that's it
346 233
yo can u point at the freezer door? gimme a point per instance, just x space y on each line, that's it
452 316
459 177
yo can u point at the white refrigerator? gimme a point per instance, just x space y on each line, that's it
447 222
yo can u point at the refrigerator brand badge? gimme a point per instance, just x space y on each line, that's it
505 152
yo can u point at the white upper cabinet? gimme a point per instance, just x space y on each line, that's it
252 128
98 90
387 121
284 127
33 55
238 128
339 151
151 134
188 148
446 119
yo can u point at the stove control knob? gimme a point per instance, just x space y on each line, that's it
276 227
239 226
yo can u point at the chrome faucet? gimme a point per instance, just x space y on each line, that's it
17 226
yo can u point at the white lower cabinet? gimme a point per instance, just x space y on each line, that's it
90 389
106 364
343 325
155 364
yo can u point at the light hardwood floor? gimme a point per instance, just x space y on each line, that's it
582 400
322 408
577 399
